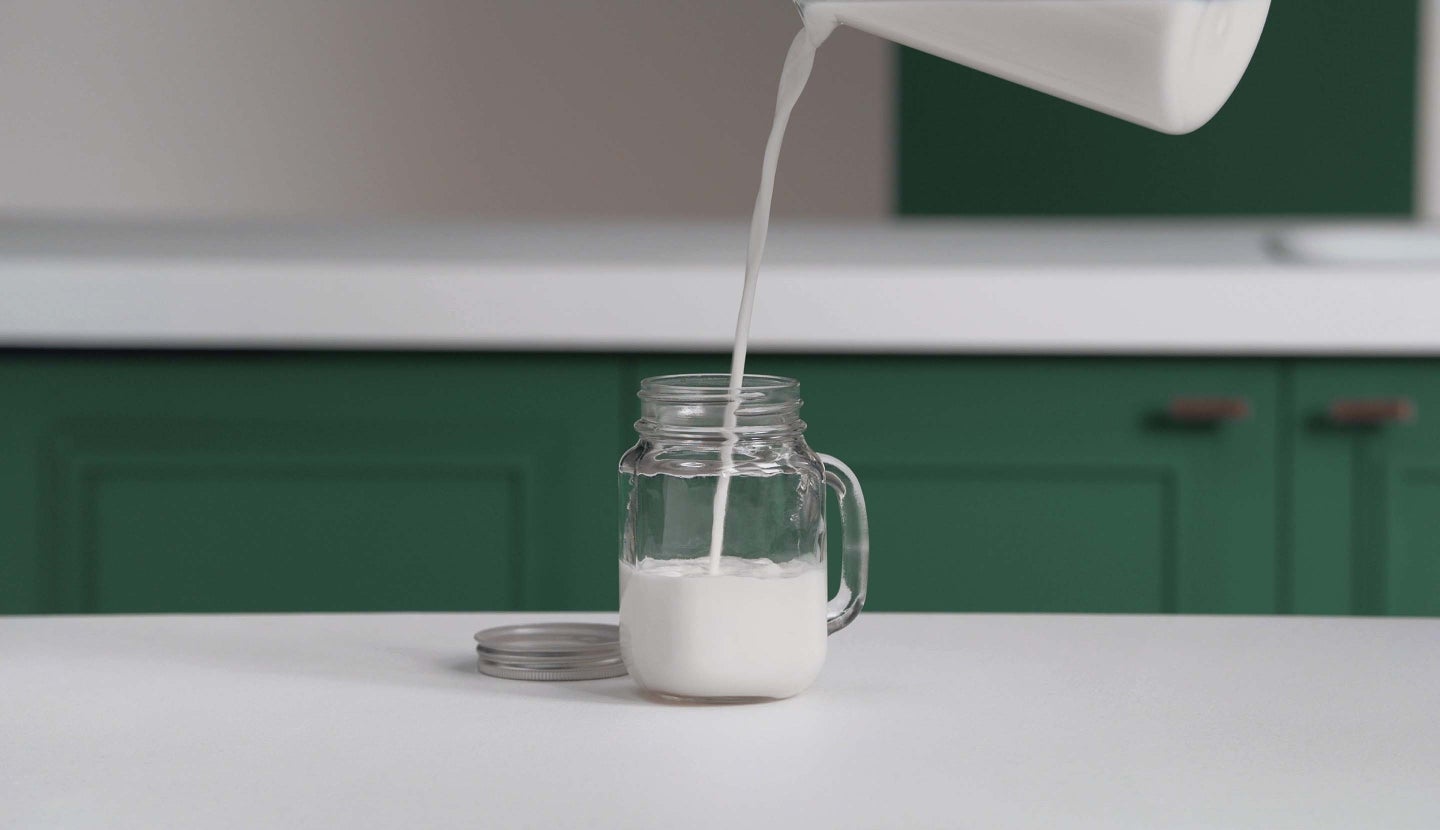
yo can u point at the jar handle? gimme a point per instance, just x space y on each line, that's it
855 530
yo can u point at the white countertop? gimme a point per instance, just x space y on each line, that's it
904 287
918 721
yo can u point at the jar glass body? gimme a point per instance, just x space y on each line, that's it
752 621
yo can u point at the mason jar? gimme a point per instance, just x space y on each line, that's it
733 609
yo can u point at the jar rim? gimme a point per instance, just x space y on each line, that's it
697 405
714 387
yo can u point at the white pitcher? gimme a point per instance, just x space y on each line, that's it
1166 64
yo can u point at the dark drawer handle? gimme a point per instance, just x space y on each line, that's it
1208 410
1370 412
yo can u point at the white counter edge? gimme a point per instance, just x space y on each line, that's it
1133 309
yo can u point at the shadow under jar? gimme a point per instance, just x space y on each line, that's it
752 622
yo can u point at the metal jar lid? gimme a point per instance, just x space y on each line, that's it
550 651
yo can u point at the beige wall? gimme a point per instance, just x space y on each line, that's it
486 108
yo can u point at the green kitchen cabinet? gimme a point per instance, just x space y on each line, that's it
1049 484
1365 514
271 481
161 481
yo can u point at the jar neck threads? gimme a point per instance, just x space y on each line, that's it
693 407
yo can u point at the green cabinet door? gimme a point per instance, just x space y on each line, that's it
1365 514
1048 484
321 482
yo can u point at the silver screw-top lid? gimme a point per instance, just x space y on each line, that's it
551 651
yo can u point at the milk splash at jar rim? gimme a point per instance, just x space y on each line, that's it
798 63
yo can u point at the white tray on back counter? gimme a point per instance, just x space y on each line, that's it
917 721
904 287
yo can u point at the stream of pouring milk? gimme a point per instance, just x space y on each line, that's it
798 63
1169 65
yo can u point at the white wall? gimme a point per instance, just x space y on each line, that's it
484 108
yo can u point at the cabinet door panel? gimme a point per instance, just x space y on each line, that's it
1007 553
1001 484
317 482
1365 518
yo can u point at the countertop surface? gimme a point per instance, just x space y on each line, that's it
918 721
938 287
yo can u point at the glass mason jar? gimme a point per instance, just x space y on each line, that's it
750 622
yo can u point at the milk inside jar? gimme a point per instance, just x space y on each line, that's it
755 628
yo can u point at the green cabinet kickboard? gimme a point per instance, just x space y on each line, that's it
268 481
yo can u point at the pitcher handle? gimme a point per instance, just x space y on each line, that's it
855 530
